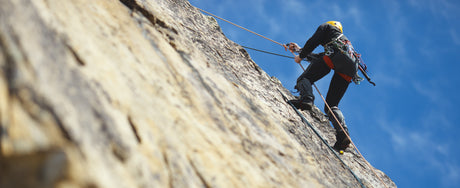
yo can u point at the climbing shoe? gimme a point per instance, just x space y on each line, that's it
342 142
341 146
302 104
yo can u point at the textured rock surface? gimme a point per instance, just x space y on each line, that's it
148 93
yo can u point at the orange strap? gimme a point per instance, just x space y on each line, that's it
346 77
329 63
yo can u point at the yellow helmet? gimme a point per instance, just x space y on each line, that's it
336 24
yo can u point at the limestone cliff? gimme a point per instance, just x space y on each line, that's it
148 93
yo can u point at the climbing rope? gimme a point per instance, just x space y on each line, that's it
267 52
242 27
327 105
322 139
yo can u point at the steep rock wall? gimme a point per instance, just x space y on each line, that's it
142 93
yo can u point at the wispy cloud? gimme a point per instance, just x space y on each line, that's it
433 92
455 36
398 32
421 145
445 8
396 133
294 8
453 175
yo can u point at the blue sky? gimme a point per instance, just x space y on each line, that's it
407 125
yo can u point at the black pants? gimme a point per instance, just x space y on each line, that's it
317 70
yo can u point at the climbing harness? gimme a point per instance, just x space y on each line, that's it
329 108
327 47
345 48
341 50
321 138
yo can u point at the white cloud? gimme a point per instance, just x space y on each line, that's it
433 90
426 90
294 8
445 8
421 145
274 27
455 36
397 31
437 118
453 175
387 81
397 134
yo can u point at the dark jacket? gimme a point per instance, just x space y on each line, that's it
324 34
343 63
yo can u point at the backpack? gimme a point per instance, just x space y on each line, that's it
342 57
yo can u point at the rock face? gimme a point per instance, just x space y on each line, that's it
148 93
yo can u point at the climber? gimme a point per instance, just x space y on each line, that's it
336 45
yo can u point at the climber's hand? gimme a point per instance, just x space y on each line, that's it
293 47
297 59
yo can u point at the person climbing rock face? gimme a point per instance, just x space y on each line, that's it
336 56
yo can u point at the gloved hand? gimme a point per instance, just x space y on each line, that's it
297 59
293 47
